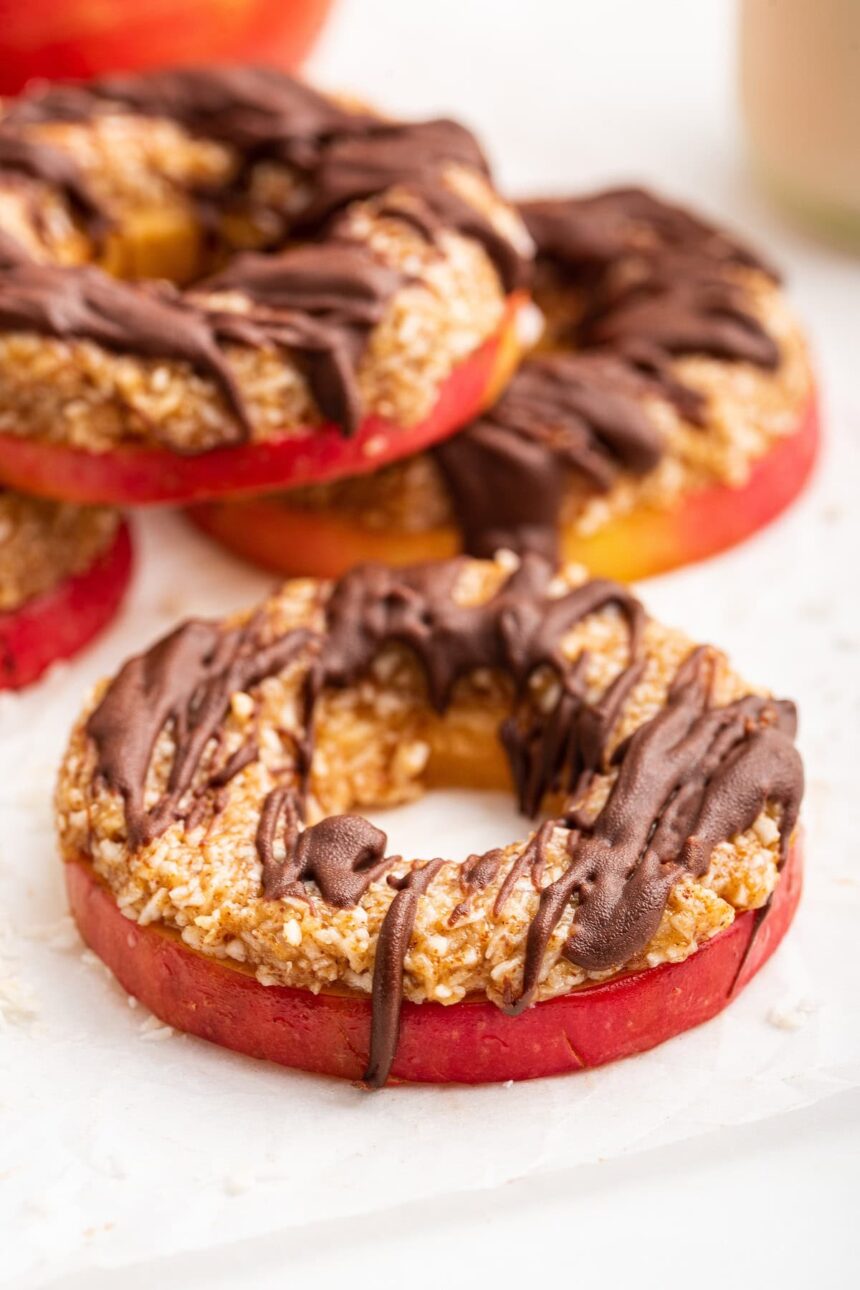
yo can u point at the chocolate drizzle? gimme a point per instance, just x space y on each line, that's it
658 284
21 155
410 156
183 683
505 473
689 778
342 854
584 235
680 305
266 115
345 156
317 303
259 111
654 274
517 631
12 251
391 949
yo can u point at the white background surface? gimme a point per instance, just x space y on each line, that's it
734 1153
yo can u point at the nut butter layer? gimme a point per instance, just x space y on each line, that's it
217 783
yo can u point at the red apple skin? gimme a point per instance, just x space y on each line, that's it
60 622
145 476
77 39
292 541
467 1043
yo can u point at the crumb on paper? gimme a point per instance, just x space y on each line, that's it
18 1002
238 1182
152 1030
92 960
61 935
791 1014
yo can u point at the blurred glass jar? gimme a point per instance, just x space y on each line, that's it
76 39
800 97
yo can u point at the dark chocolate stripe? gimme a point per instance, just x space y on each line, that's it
318 303
583 235
12 251
22 155
506 473
392 946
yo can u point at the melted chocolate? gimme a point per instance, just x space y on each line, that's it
679 306
317 303
86 304
506 473
392 946
587 234
687 779
412 157
690 778
517 631
655 274
659 284
342 854
256 110
183 683
55 168
266 115
12 251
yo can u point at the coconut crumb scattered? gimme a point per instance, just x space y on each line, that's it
238 1183
19 1004
152 1030
791 1014
61 935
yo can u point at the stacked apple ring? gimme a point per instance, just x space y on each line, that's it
671 415
377 321
355 287
215 861
63 573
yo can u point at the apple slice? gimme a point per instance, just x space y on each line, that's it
60 622
468 1042
74 39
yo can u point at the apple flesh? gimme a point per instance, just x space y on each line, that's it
287 539
61 621
140 475
471 1042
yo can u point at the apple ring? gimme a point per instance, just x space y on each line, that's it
63 573
361 283
208 805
